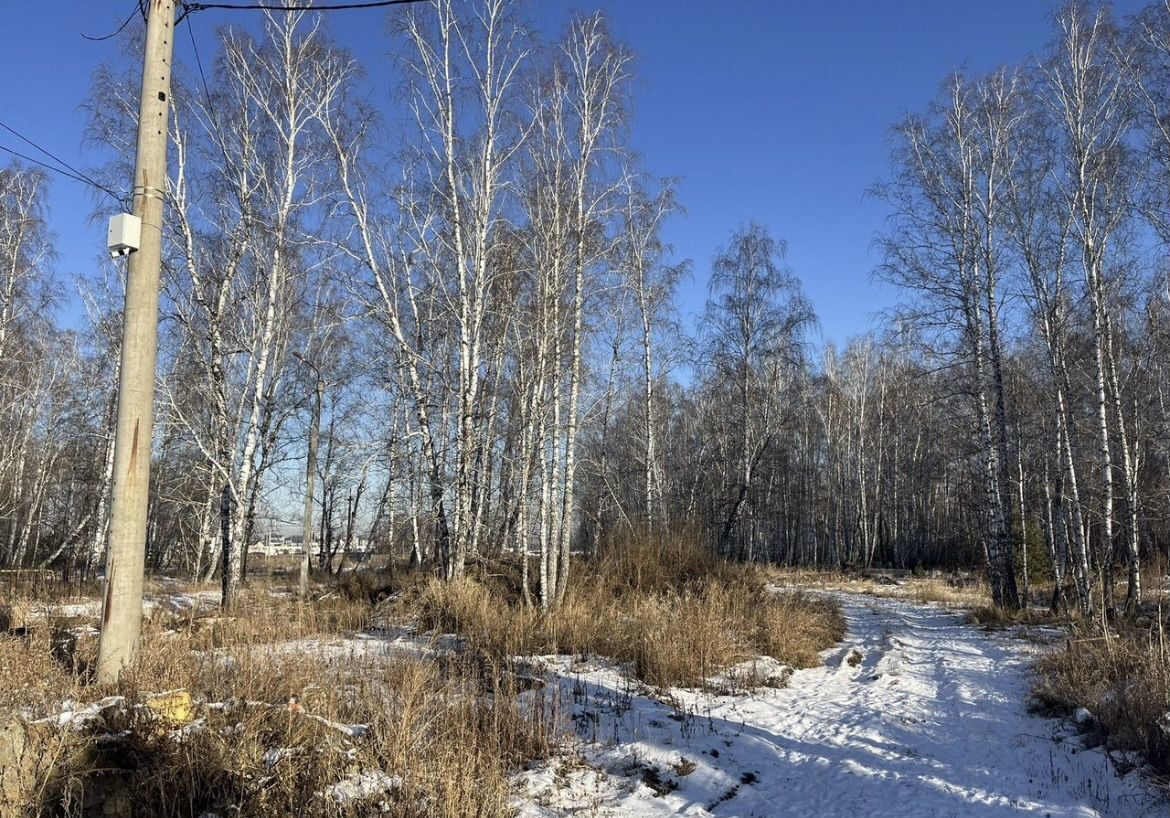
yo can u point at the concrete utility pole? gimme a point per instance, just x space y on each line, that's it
133 435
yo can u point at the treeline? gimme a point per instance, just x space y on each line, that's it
455 333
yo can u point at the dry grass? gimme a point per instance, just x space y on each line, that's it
259 618
993 618
670 611
31 673
451 734
273 689
947 592
954 591
1124 682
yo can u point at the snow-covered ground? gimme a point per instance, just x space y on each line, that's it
176 602
916 713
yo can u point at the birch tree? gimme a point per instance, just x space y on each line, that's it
756 320
653 283
952 167
1090 106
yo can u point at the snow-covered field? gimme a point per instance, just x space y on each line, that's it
916 713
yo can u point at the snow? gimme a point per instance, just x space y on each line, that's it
79 717
91 608
354 731
275 755
763 671
932 721
363 785
372 647
197 602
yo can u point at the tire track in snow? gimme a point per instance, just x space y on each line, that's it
932 721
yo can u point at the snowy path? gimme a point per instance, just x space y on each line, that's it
915 714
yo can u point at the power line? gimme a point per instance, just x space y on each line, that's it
53 168
72 171
45 151
188 8
211 115
199 65
118 30
84 180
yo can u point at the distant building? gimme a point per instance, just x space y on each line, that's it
281 545
276 545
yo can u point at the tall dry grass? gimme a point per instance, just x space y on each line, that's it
280 713
1122 679
271 731
676 615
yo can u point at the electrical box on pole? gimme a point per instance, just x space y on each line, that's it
124 234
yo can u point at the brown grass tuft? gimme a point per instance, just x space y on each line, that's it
991 617
674 614
1123 680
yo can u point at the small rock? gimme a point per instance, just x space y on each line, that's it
22 765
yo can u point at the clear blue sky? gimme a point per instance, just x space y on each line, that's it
772 110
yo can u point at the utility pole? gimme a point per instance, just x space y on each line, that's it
134 429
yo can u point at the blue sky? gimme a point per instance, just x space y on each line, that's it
768 110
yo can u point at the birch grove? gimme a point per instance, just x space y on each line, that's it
458 331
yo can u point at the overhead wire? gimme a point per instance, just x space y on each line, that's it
207 96
369 4
189 8
186 10
199 65
136 10
69 170
45 151
44 165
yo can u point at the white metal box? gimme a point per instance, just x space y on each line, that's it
124 234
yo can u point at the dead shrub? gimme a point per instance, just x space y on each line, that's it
30 675
678 639
643 563
375 585
926 590
259 617
468 608
795 628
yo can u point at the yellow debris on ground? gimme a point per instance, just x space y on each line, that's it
174 708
